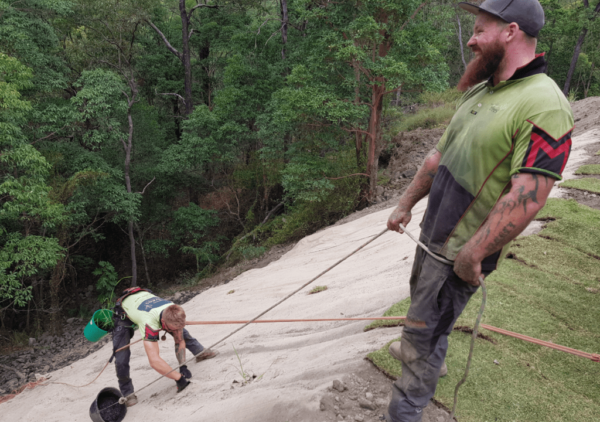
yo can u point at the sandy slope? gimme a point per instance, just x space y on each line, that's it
297 361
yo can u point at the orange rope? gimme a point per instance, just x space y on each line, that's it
592 356
269 321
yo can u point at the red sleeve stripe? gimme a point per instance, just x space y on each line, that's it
553 148
151 334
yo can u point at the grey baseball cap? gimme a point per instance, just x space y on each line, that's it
528 14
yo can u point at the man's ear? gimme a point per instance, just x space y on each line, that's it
511 31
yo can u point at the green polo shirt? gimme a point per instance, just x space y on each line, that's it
144 309
522 125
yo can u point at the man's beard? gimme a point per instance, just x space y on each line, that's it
482 66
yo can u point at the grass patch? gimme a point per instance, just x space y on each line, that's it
547 293
589 169
428 118
586 184
317 289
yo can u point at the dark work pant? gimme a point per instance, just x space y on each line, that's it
438 297
122 334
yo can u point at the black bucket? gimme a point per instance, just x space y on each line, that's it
106 407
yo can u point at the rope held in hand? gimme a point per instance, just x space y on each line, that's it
477 321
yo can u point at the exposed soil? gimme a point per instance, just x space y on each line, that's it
364 396
587 114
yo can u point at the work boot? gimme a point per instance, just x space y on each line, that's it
394 350
206 354
131 401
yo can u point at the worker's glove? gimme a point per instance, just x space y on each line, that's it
182 383
183 369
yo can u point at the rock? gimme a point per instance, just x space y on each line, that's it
409 173
339 385
336 409
359 418
340 417
366 404
177 296
369 396
71 320
379 190
352 396
32 341
322 406
381 402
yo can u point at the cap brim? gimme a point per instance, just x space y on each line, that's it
471 8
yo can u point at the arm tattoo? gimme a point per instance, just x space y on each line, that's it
501 239
180 354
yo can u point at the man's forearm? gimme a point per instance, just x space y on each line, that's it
421 184
181 353
510 216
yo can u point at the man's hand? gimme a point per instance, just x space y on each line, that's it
467 268
417 190
183 370
182 383
399 216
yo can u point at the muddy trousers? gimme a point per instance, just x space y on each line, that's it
122 334
438 297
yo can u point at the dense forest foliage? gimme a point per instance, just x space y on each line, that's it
146 139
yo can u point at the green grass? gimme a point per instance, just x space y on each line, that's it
545 292
589 169
317 289
586 184
428 118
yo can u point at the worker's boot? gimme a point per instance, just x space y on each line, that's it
394 350
206 354
131 401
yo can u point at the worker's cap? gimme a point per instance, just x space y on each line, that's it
528 14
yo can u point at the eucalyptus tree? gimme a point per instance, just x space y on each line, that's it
356 53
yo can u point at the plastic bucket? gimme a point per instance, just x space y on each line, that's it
106 407
103 318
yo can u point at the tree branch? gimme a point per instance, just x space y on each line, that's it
201 5
165 40
173 94
149 183
413 15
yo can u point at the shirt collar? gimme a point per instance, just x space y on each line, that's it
537 65
534 67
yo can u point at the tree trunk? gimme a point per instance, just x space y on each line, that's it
578 46
128 148
378 89
460 42
284 26
356 102
186 59
574 60
58 274
141 237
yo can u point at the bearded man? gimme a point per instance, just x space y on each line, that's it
487 178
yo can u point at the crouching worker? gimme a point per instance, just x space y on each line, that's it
151 314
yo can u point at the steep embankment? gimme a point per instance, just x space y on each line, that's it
294 364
